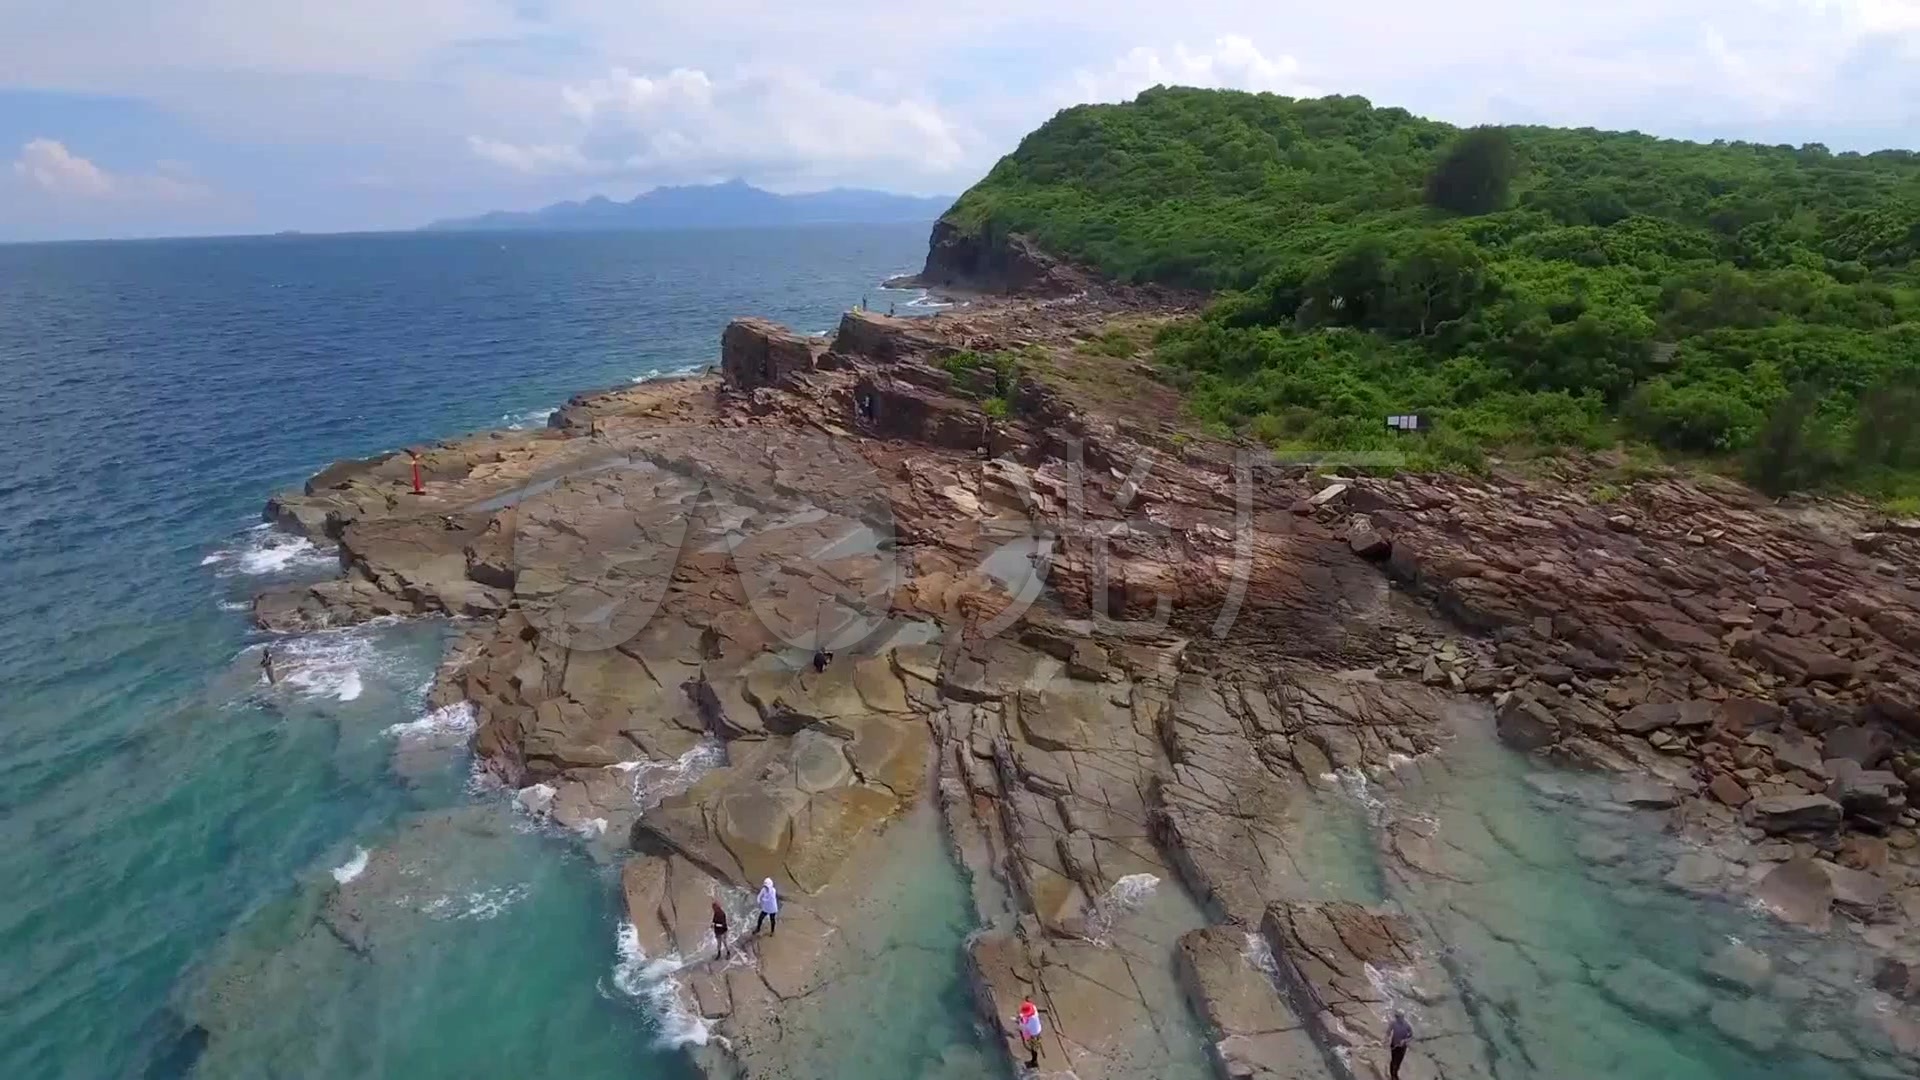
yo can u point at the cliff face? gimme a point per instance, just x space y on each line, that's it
1008 263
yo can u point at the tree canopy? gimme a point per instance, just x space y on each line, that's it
1520 285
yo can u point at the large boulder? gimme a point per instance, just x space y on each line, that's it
1668 714
1779 814
755 353
1798 891
1524 723
1874 796
1865 746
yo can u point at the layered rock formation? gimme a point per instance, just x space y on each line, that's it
1123 662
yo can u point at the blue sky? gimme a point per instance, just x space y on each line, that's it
167 117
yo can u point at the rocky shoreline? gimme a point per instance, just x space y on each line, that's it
1120 664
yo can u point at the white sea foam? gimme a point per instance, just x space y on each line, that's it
478 904
329 664
1360 789
1259 953
262 552
536 800
352 868
1123 896
926 300
652 781
448 720
234 605
652 983
515 421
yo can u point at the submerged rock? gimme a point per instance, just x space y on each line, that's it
1655 992
1800 892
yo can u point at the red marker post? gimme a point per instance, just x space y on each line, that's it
417 489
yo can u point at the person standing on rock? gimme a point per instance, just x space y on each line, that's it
720 931
1029 1021
769 908
1399 1034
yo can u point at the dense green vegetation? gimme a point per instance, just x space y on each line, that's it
1520 287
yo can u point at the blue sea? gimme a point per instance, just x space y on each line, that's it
168 824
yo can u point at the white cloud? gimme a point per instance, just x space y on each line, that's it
48 165
781 125
1234 62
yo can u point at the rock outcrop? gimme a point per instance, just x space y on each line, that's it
1126 671
999 263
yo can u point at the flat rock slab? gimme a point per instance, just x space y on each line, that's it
1228 975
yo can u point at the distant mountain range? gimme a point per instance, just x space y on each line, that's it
714 206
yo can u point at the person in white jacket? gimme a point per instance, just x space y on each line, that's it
1029 1024
769 908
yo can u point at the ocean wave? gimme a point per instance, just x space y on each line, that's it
652 983
262 552
352 868
331 663
479 904
515 421
926 300
536 800
447 720
652 781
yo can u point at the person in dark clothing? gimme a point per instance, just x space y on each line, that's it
821 659
720 931
1399 1034
266 666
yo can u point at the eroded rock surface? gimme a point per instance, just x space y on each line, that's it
1131 691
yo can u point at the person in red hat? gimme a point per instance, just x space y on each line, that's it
1030 1031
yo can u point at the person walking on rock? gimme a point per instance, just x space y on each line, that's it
1399 1034
1029 1020
769 909
720 931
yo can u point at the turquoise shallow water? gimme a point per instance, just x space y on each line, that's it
155 801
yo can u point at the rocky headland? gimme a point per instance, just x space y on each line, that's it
1151 688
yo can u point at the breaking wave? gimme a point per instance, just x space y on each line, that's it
652 983
448 720
479 904
352 868
263 551
329 664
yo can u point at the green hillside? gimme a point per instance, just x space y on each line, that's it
1522 286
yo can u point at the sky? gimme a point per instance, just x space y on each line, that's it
172 117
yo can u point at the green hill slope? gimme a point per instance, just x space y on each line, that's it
1519 286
